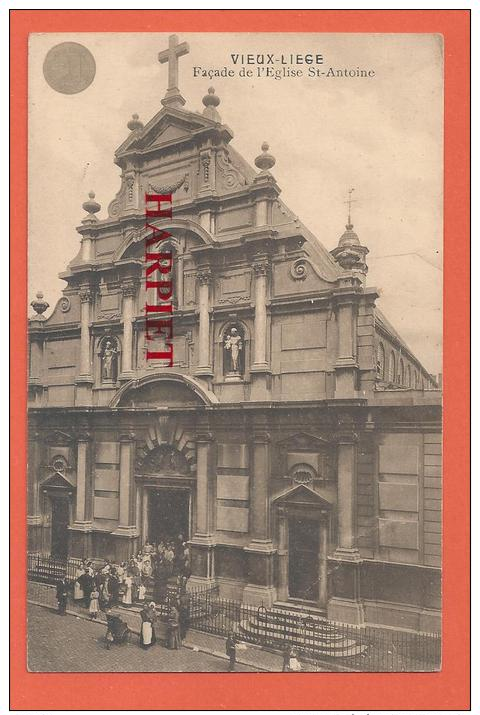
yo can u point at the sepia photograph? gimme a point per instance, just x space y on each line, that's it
235 270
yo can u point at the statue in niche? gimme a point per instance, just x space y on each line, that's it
109 361
233 347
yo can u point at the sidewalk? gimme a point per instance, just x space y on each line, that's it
253 655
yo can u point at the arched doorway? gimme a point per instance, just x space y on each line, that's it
166 489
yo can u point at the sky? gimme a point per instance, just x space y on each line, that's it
382 135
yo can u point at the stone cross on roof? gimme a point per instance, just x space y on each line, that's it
171 56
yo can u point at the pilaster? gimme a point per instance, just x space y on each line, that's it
129 291
260 551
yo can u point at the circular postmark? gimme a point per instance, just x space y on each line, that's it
69 68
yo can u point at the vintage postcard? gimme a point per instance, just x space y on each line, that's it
235 351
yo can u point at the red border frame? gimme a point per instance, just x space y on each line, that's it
393 691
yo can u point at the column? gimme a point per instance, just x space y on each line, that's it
346 605
346 363
282 591
204 525
260 551
34 515
322 563
83 515
346 497
260 329
179 280
203 544
204 277
260 526
86 299
129 289
126 524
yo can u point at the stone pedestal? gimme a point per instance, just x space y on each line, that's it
81 540
345 605
344 610
260 569
202 551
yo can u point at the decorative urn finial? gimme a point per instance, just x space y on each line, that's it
265 161
134 123
211 102
39 306
350 254
91 206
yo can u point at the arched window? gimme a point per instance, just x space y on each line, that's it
380 361
409 376
401 372
391 367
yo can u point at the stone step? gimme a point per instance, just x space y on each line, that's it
339 649
289 622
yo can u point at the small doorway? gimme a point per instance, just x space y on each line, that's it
168 514
60 522
303 561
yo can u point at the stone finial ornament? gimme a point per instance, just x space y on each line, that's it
211 102
39 305
134 123
91 206
265 161
350 253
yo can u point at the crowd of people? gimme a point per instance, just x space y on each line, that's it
155 566
152 569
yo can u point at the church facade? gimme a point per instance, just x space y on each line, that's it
295 441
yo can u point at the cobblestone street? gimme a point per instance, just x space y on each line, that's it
73 644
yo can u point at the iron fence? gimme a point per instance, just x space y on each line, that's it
344 646
329 645
50 569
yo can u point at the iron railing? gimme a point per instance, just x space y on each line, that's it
329 645
344 646
50 569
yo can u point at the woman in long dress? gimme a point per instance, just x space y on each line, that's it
128 595
174 642
94 608
147 632
78 594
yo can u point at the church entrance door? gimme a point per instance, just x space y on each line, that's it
60 521
168 514
303 562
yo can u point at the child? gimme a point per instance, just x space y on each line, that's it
93 608
141 591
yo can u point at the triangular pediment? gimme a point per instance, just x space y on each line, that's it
57 481
302 495
303 440
167 127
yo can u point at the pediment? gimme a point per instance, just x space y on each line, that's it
304 440
167 127
302 495
57 481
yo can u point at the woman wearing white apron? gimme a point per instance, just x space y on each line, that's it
127 596
78 594
147 633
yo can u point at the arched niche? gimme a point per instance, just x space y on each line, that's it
232 340
108 354
163 390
